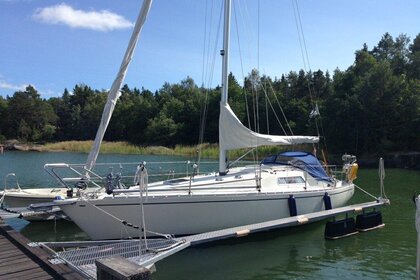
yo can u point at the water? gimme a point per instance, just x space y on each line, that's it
296 253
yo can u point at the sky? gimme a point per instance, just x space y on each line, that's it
54 45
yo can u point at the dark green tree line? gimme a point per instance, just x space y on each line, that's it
371 107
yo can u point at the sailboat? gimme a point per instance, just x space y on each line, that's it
283 185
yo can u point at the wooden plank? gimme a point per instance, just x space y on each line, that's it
9 258
120 268
12 262
28 265
27 274
14 244
10 252
7 249
5 246
3 240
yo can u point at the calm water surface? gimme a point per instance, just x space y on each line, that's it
296 253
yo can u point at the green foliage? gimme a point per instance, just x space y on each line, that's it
371 107
161 130
28 115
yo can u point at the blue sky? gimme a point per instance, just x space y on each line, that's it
57 44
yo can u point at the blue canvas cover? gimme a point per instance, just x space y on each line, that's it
303 160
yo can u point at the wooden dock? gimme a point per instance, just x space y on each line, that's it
18 260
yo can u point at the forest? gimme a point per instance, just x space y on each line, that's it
372 107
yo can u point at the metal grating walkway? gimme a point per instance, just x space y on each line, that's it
157 249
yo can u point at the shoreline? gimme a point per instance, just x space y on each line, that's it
407 160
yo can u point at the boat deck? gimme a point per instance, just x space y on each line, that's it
83 260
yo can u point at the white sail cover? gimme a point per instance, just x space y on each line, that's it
114 92
234 135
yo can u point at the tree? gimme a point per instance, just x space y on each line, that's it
160 130
28 115
395 52
414 59
3 118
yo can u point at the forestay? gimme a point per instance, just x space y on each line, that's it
234 135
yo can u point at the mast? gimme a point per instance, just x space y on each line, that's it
225 77
114 92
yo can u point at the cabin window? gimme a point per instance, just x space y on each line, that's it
290 180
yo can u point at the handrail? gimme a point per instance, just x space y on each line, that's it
151 189
86 176
3 196
50 169
5 181
159 172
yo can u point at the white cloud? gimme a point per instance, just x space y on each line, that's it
67 15
6 85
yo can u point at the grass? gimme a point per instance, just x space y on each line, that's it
207 150
106 148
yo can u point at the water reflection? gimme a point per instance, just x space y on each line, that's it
53 231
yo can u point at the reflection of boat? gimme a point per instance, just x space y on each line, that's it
283 185
53 230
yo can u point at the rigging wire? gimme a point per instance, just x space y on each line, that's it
208 73
274 112
266 109
241 61
241 15
244 90
305 58
282 111
204 44
258 39
204 104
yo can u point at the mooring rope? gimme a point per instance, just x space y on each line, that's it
141 178
366 192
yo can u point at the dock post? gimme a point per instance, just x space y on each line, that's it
119 268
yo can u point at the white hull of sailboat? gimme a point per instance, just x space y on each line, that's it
184 215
